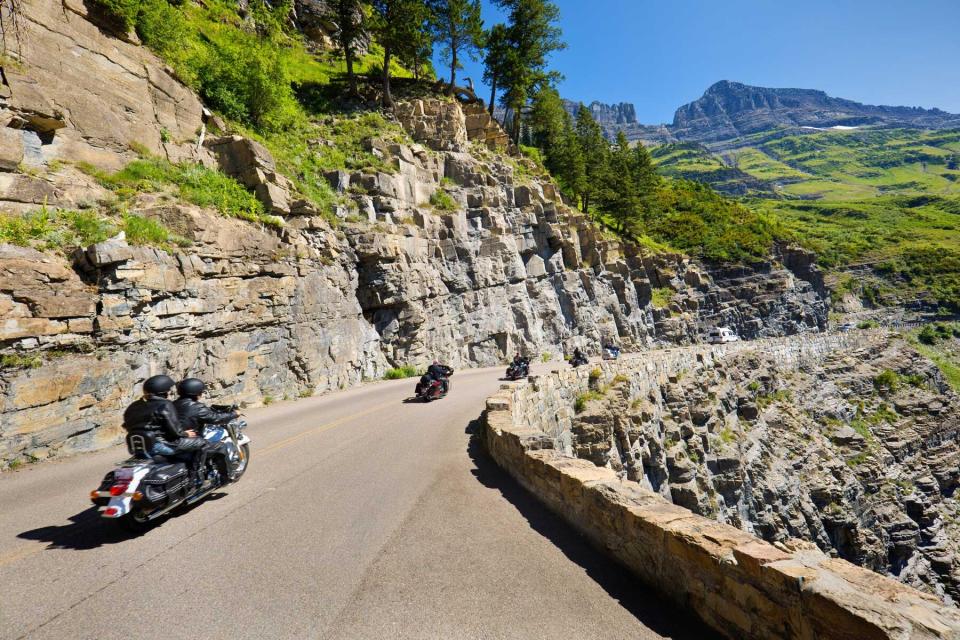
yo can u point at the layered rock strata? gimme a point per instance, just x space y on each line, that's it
740 585
856 452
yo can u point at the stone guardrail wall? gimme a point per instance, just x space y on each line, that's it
738 584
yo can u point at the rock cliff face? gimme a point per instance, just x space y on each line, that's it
271 312
856 453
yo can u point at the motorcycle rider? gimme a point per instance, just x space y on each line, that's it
578 356
442 373
195 415
155 415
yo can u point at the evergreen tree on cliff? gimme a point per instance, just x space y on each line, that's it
595 151
399 26
457 26
552 131
532 36
497 45
349 16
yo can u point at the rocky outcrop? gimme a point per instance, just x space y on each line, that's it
72 92
742 586
302 308
856 452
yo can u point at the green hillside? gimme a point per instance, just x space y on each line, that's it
887 199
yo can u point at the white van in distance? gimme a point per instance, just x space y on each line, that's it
721 335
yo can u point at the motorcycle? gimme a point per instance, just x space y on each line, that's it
430 388
518 370
143 488
611 353
576 361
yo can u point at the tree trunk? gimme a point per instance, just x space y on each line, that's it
453 71
351 76
387 97
516 126
493 95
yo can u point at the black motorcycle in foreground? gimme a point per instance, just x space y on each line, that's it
518 370
430 388
144 487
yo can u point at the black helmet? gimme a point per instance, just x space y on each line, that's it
158 385
191 387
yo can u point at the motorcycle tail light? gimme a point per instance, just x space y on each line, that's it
118 489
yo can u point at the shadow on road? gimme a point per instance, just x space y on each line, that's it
88 530
659 615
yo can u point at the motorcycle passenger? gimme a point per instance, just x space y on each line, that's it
195 415
155 415
578 355
442 373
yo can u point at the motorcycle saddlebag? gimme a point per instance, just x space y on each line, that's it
165 483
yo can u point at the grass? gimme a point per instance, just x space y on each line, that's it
62 230
17 361
580 403
193 183
662 297
405 371
943 352
443 201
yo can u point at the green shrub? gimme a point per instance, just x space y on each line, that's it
595 374
662 297
443 201
17 361
406 371
546 357
887 381
580 403
123 12
140 230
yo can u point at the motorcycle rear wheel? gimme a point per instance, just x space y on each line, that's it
135 522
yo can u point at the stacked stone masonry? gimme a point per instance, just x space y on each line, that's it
738 584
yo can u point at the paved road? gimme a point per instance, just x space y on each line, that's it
361 516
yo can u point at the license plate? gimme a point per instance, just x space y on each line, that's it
123 474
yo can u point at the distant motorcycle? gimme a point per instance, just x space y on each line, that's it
143 488
576 361
430 388
518 370
611 352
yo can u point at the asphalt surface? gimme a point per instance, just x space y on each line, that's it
361 516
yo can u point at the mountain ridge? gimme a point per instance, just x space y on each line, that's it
730 110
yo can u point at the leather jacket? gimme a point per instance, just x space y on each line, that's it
195 415
155 415
439 371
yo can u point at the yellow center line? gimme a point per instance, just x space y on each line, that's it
324 427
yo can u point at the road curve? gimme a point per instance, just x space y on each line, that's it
361 517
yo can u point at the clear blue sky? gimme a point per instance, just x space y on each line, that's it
664 53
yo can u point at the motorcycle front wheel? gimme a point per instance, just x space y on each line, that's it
242 467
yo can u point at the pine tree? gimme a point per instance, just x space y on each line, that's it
596 154
349 14
458 27
398 25
497 46
532 36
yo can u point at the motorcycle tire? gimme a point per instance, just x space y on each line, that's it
135 522
246 463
